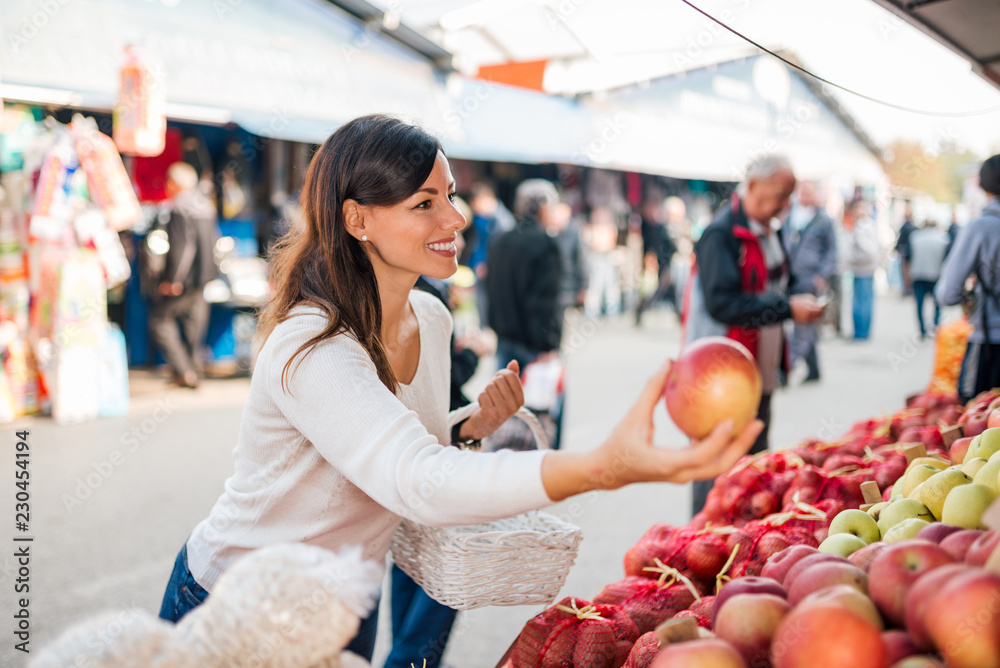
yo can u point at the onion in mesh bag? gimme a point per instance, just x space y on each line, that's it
576 634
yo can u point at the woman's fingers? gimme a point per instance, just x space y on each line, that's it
718 452
653 391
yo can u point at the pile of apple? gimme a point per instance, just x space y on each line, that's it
915 605
788 566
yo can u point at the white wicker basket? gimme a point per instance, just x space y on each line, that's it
522 560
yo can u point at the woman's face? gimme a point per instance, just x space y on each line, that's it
418 235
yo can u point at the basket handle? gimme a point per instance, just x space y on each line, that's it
541 440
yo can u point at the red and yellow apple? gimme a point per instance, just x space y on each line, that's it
713 379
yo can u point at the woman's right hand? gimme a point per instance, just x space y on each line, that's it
629 454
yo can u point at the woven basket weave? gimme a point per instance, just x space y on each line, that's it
521 560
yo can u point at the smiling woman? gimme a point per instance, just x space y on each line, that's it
345 430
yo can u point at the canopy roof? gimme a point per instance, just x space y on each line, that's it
969 27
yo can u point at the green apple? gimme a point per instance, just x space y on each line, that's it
934 490
905 530
842 544
966 504
988 474
973 446
900 510
930 460
876 510
856 522
972 467
989 444
915 492
916 475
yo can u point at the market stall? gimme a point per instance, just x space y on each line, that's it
877 548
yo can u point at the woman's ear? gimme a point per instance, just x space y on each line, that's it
354 218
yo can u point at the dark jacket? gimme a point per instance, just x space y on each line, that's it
464 361
811 251
192 230
718 261
523 287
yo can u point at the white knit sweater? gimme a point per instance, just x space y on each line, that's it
337 459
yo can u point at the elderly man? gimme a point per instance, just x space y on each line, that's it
811 246
522 285
741 281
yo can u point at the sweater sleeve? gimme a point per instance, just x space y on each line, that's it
334 397
958 266
722 285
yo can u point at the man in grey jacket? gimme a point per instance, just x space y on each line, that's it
977 253
811 247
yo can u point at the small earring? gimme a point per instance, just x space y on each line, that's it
364 237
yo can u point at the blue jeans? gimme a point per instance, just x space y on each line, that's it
920 290
420 625
864 300
184 594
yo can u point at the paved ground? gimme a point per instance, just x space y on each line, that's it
113 500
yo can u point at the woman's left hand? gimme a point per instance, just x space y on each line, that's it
497 403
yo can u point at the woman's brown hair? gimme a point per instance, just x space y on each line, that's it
375 160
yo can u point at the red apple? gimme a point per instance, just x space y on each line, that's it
976 424
806 562
847 597
982 548
713 379
936 532
826 574
778 565
994 419
827 637
958 543
926 586
699 654
863 557
748 585
898 645
963 620
959 448
748 622
894 569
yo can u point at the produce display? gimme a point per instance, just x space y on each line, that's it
878 550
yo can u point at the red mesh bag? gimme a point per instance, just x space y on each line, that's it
647 602
655 543
888 464
758 541
704 607
751 490
703 622
644 651
576 634
697 553
929 435
812 519
813 484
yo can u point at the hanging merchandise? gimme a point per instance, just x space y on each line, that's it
110 186
55 195
140 126
92 231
